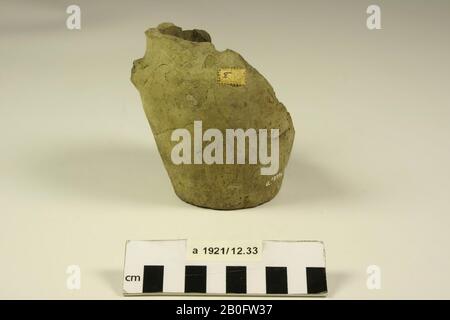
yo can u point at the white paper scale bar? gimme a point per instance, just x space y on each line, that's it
286 267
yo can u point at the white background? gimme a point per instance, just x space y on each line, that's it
369 173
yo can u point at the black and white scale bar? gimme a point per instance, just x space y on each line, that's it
236 280
285 268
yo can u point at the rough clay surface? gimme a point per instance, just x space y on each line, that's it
177 81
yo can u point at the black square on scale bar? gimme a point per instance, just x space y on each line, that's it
153 279
316 280
195 279
276 280
236 281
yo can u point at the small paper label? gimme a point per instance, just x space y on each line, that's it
232 76
224 250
